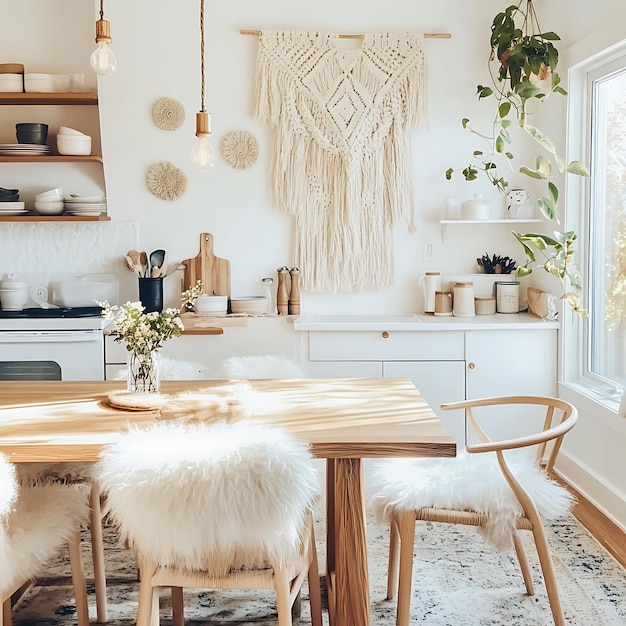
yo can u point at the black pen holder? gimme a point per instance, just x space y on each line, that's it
151 294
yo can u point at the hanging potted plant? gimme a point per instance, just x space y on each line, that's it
523 69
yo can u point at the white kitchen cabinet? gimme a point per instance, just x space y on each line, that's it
256 336
445 365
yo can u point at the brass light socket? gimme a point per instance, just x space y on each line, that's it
203 124
103 31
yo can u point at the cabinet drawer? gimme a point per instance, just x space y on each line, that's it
386 345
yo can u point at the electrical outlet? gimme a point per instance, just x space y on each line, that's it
428 251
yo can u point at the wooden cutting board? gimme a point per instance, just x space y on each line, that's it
210 269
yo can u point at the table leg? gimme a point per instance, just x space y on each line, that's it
352 602
330 539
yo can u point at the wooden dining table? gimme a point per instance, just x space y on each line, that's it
343 420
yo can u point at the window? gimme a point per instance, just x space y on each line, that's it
597 129
606 330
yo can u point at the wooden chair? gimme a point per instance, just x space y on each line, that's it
35 522
217 506
476 488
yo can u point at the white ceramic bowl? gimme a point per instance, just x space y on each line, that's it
49 208
255 305
66 130
42 83
74 145
55 194
211 304
13 83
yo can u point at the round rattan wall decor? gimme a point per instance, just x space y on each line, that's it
240 149
168 114
166 181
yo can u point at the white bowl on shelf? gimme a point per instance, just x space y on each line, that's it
53 207
13 83
55 195
74 145
39 83
66 130
218 305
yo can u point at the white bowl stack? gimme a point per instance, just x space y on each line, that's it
85 205
72 142
50 202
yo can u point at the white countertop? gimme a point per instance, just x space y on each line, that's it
414 321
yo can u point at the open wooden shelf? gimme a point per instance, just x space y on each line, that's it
33 217
78 98
49 158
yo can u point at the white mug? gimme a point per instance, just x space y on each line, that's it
430 283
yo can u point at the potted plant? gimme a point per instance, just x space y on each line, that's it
523 64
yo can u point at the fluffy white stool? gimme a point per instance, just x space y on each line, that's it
218 506
35 521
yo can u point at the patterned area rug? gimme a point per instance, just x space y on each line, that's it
457 581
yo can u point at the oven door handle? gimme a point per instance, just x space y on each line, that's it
49 336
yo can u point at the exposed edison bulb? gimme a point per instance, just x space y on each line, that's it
203 154
103 61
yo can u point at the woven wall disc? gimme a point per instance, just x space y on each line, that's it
168 114
166 181
240 149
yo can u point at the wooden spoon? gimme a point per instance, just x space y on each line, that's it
143 263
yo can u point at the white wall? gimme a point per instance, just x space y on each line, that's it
157 45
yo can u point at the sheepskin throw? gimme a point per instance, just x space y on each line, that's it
468 482
259 366
342 162
209 498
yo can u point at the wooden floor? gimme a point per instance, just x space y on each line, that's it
599 525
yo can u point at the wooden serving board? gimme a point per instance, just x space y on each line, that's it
210 269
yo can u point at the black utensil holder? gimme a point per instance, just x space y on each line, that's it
151 294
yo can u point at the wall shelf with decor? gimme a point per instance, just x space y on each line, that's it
74 173
446 223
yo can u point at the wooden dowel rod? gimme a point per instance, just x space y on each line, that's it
358 36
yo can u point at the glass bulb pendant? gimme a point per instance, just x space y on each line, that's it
103 61
202 154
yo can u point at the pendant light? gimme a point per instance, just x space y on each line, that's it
203 154
103 61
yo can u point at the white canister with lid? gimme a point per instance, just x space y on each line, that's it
476 209
13 293
463 300
430 284
507 296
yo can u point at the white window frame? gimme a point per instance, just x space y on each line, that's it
576 383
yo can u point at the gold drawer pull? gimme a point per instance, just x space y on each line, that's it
385 334
471 365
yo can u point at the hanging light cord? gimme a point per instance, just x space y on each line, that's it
202 109
101 9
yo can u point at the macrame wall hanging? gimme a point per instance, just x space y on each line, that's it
342 163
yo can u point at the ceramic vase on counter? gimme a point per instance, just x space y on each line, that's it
144 373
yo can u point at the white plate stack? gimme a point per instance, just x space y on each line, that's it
12 208
23 149
85 205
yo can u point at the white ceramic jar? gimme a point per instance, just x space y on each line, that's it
13 294
476 209
430 284
507 296
463 300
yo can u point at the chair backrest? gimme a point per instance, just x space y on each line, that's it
207 497
259 366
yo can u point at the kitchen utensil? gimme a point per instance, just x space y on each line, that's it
131 266
135 261
143 262
282 293
174 267
213 271
430 283
157 257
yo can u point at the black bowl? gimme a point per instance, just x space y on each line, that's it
8 192
31 132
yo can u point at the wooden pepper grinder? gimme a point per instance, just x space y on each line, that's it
294 296
282 295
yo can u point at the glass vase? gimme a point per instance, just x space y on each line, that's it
144 374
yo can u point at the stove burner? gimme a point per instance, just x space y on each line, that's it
86 311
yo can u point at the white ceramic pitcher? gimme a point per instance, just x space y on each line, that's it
430 282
